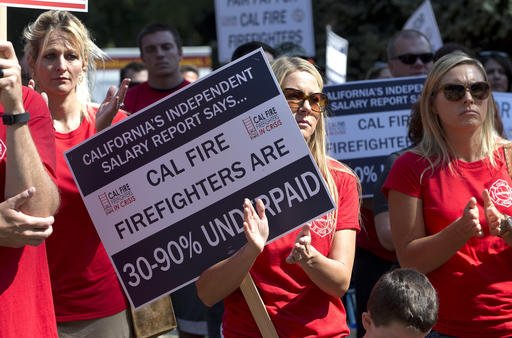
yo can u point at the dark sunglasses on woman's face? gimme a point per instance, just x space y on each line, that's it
296 99
410 59
455 92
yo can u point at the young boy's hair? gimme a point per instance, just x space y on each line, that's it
404 296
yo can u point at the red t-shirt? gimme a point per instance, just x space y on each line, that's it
297 307
85 285
143 95
26 306
475 285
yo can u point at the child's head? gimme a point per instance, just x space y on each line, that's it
402 304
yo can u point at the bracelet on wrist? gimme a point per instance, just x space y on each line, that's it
11 119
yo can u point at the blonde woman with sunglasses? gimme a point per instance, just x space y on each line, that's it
450 198
302 275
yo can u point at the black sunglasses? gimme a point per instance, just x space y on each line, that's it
455 92
410 59
296 99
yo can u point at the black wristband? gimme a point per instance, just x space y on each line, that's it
10 119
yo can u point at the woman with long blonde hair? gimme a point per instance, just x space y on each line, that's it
89 300
302 275
449 201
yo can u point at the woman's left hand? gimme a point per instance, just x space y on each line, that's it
302 250
110 106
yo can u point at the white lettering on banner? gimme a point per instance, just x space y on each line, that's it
217 230
354 146
205 186
307 184
128 144
209 94
122 141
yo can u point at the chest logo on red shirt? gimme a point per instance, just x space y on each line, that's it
501 193
3 150
322 226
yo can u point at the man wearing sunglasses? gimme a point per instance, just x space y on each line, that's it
409 54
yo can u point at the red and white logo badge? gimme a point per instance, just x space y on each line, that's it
501 193
322 226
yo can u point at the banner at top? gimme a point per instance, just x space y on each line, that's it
272 22
70 5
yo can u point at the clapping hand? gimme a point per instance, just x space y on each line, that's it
302 250
492 215
255 224
470 219
110 106
18 229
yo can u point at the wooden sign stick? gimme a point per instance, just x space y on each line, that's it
257 307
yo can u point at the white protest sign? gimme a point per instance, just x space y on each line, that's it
335 57
70 5
369 120
165 186
504 102
270 21
424 20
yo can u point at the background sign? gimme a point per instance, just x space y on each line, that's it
504 102
272 22
165 186
369 121
70 5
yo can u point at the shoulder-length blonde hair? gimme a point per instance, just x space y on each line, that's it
284 66
433 145
37 34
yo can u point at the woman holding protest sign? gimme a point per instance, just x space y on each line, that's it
449 196
301 275
89 301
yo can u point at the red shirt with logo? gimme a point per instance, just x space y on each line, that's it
26 306
475 284
296 305
84 282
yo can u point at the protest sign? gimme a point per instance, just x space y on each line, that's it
504 102
70 5
368 121
165 186
272 22
336 53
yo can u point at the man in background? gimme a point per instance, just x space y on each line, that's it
409 54
161 50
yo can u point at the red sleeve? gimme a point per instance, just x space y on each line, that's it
405 175
348 199
41 128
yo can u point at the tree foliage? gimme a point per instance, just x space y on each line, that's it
478 24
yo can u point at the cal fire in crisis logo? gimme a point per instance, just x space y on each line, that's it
259 124
115 199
